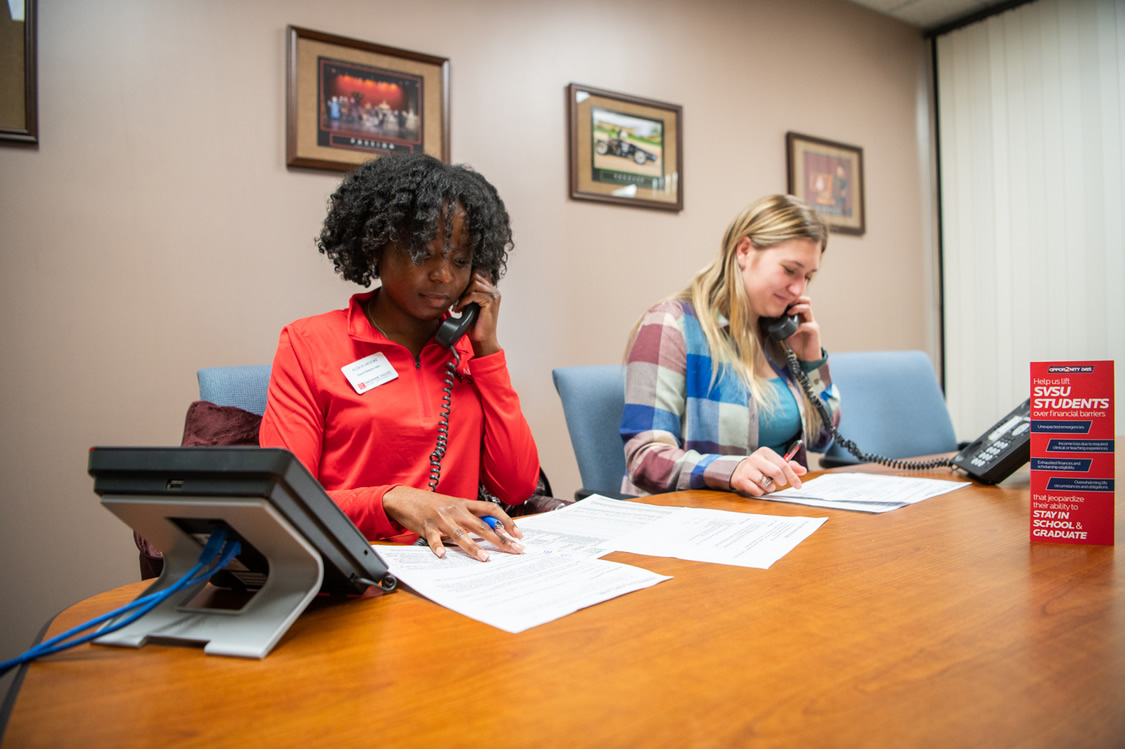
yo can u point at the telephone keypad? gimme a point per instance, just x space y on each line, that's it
1001 450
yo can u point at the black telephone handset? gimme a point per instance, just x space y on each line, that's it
452 328
780 328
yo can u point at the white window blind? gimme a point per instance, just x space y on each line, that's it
1031 144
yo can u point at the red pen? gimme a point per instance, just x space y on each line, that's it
768 480
793 450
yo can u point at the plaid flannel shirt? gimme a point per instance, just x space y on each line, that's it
680 431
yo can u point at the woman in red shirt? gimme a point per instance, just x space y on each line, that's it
400 430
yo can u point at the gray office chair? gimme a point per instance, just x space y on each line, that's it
593 399
241 386
891 405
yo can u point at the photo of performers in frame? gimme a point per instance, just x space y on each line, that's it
369 109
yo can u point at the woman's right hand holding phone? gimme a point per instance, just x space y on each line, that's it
484 293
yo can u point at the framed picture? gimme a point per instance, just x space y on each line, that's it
350 101
829 177
19 98
624 149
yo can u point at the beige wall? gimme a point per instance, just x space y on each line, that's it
156 229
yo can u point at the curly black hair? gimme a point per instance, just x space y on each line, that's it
402 198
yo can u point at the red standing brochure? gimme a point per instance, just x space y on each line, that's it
1072 445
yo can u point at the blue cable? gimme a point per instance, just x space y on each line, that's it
143 605
216 555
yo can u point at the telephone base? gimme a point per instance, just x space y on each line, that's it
296 572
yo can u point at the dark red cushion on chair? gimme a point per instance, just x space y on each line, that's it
206 425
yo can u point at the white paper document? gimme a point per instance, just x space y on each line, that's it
514 592
598 525
588 527
560 571
865 492
720 537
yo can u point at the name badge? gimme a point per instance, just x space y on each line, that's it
369 372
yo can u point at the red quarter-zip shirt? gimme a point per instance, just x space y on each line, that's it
362 444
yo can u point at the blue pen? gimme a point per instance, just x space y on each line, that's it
492 523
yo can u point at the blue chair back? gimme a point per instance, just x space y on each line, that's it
593 399
891 405
242 386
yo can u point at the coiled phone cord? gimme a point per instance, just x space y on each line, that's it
443 420
847 444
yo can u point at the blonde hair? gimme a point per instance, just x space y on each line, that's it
718 291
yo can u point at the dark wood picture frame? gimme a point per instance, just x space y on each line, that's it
333 120
19 87
625 149
828 176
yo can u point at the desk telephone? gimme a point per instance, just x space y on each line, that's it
994 456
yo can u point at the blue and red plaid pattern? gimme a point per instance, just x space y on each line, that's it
680 430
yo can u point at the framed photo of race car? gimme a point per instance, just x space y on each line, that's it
348 101
625 149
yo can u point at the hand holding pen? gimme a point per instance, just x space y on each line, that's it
764 469
767 482
444 519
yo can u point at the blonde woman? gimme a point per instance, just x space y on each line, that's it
710 402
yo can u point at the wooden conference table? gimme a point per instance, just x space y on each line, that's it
938 624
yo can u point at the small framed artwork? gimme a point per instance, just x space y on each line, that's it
624 149
19 97
349 101
829 177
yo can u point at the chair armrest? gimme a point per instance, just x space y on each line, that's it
535 505
583 493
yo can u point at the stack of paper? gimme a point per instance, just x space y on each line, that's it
865 492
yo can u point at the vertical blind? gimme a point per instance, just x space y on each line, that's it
1031 148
